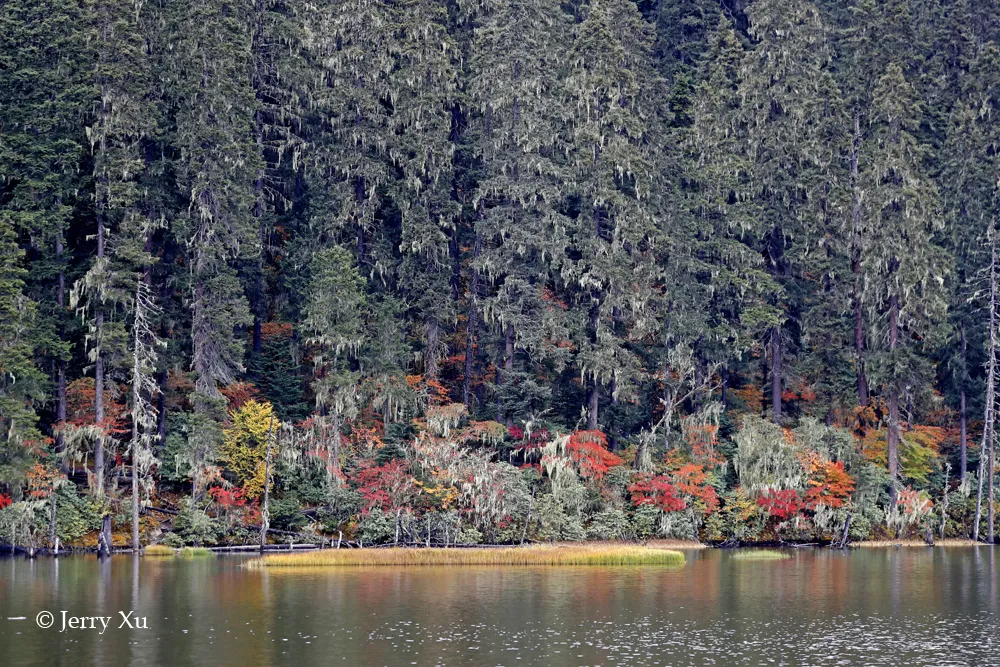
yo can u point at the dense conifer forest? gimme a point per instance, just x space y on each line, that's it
497 271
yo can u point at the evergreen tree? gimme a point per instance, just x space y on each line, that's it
348 46
785 90
333 324
208 79
723 268
612 96
873 33
22 385
969 198
119 127
46 65
902 266
519 50
423 86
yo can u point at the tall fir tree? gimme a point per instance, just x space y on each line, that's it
46 71
515 87
207 76
902 266
22 385
613 96
785 93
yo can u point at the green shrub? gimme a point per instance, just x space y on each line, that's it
645 520
196 527
469 536
76 514
172 540
608 525
549 517
340 505
572 529
377 527
286 513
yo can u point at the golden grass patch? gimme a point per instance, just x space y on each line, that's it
158 550
505 556
951 542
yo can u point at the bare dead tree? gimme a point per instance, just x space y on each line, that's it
144 388
986 450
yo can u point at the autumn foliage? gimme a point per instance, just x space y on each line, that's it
656 490
782 504
387 487
589 451
692 483
245 444
829 485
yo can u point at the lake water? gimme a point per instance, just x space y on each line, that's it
910 606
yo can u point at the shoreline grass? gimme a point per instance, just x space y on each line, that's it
159 550
950 542
499 557
195 552
760 554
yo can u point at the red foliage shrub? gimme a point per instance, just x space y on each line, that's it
692 480
5 501
388 486
589 452
240 393
829 485
228 498
269 330
781 504
656 490
81 397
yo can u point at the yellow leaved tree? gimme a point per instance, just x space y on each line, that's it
245 444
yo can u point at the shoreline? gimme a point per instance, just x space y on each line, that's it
8 551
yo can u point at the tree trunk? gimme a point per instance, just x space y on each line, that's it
962 435
431 354
135 499
456 265
979 492
99 408
859 330
508 367
53 516
593 401
724 381
337 441
259 292
61 367
161 411
103 202
104 537
613 435
470 332
986 451
990 465
265 514
893 398
776 370
593 389
962 419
